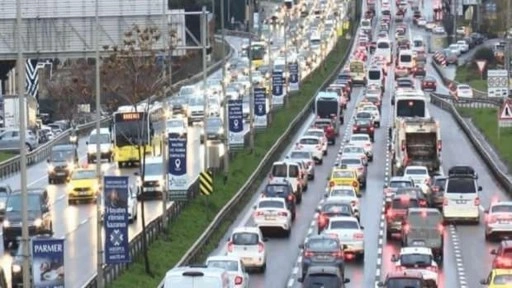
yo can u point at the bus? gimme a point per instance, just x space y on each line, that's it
134 129
410 103
257 53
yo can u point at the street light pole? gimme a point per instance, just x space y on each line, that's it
286 70
204 32
20 68
223 85
251 92
165 137
99 226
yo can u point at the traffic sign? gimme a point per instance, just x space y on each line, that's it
206 183
505 115
481 65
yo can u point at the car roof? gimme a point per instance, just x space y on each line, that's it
246 229
506 203
405 274
223 258
422 209
341 187
62 147
416 250
502 271
335 169
336 201
180 271
343 218
400 178
324 270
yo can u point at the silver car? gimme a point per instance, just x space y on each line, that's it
498 220
394 184
307 158
10 140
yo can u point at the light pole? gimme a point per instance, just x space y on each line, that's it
20 68
204 29
286 70
223 85
165 137
99 226
251 92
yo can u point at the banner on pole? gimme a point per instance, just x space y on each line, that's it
294 81
115 218
277 88
48 263
236 122
177 166
260 108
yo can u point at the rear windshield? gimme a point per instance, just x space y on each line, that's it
350 161
277 189
440 183
342 192
280 170
309 141
322 244
404 282
416 172
421 260
300 155
315 133
343 225
244 238
271 204
336 209
400 184
463 185
501 208
322 281
404 204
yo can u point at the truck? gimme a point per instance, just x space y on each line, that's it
11 110
416 141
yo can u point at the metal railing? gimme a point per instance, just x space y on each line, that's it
485 102
449 83
12 166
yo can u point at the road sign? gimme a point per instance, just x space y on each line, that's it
115 201
277 88
497 83
48 263
481 65
177 165
505 115
206 183
260 107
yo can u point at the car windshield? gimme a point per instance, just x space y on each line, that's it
309 141
62 155
14 203
228 265
300 155
400 184
175 124
421 172
342 192
497 208
363 122
322 244
153 169
350 161
276 189
502 279
102 138
270 204
342 174
462 185
84 174
353 150
245 238
420 260
196 101
343 224
213 123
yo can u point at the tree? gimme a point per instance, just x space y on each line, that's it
73 89
131 75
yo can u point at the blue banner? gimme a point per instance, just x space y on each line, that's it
294 76
115 218
236 122
177 168
48 263
277 83
260 101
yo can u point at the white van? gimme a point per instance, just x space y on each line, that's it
383 47
154 178
197 276
315 43
288 171
106 146
375 76
366 24
406 59
462 195
418 44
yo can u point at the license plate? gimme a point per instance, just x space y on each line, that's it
461 201
270 218
61 173
363 129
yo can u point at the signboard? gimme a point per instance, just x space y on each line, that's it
115 218
236 123
177 165
48 263
294 76
277 88
497 83
260 108
505 115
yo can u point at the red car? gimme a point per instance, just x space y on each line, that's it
429 84
419 70
364 126
328 126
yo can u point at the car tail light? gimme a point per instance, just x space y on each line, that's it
491 219
231 246
283 214
239 280
368 145
258 213
338 254
439 145
432 268
390 214
477 201
331 184
423 203
322 220
358 236
290 197
360 169
261 247
406 228
355 184
440 228
311 163
371 128
308 254
445 201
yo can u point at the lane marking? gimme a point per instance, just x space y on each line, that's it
461 274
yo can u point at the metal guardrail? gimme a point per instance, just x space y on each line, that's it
12 166
229 211
485 102
448 83
504 180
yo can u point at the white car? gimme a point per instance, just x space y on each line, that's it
438 29
306 157
455 49
234 267
344 192
248 244
364 141
351 150
350 233
176 127
464 91
498 219
320 133
272 212
461 30
373 110
463 46
430 25
419 175
418 259
422 22
312 144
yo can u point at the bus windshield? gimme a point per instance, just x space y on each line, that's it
411 108
130 130
326 108
257 52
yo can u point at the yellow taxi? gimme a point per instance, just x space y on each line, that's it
498 278
345 177
83 185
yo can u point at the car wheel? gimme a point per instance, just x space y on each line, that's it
6 244
263 268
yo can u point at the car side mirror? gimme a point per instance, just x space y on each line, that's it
480 188
300 280
494 252
484 282
301 246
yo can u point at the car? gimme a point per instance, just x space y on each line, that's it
364 141
329 128
357 164
62 161
347 193
455 49
463 46
322 250
404 82
332 208
430 25
418 259
424 227
234 267
323 276
307 158
312 144
395 183
415 192
273 213
502 255
464 91
429 83
409 279
420 176
320 133
421 22
176 128
40 216
291 172
352 150
396 213
498 220
419 70
344 75
248 244
303 179
498 278
438 30
282 190
437 188
213 128
5 191
365 126
83 185
462 195
197 276
350 233
374 110
341 177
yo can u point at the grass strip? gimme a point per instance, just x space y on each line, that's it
5 156
486 120
468 75
194 219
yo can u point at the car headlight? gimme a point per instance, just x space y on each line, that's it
6 223
50 167
38 222
161 182
16 268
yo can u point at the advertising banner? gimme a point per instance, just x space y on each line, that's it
277 88
115 218
294 81
260 108
48 263
236 122
177 169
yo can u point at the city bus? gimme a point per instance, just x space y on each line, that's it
258 53
134 129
